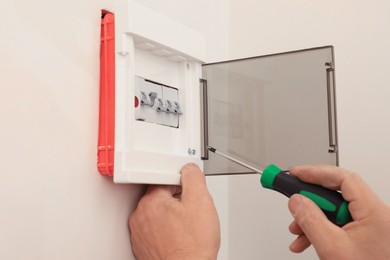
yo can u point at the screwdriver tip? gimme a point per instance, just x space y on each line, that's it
211 149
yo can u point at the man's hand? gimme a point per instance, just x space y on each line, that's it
367 237
174 222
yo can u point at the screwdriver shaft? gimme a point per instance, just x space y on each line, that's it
234 160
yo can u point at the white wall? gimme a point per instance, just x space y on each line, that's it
359 30
54 204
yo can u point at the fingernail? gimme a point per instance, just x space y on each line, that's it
295 204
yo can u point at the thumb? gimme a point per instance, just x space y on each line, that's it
313 222
193 182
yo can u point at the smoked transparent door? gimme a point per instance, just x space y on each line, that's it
277 109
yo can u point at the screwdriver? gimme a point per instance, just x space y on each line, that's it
331 202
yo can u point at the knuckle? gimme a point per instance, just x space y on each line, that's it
306 218
132 221
142 204
145 205
305 221
353 177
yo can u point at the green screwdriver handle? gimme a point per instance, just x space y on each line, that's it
331 202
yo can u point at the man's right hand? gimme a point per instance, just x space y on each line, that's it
366 237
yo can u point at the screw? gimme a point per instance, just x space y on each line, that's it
191 151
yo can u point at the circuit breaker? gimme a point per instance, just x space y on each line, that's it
161 106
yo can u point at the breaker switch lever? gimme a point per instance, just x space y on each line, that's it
178 109
148 100
170 106
145 100
152 97
161 105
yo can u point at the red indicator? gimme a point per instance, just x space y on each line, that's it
136 101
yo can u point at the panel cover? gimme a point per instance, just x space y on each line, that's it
272 109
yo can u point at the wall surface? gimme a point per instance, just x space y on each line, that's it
54 204
361 37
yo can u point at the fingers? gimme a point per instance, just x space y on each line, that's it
193 182
163 191
295 229
362 200
325 175
300 244
313 223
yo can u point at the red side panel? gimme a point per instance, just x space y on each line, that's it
107 96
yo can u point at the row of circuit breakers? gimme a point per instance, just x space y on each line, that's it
156 103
